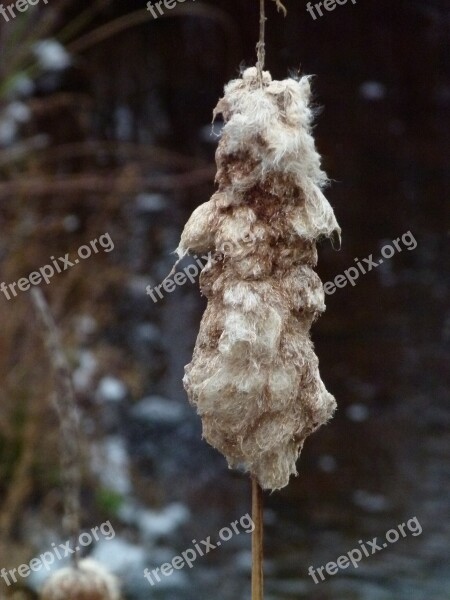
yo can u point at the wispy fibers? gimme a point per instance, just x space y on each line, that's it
254 376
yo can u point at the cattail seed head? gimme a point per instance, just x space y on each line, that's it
89 581
254 377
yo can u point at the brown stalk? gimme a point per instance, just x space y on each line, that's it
257 541
66 409
261 45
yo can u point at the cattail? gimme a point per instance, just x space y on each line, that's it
254 377
88 581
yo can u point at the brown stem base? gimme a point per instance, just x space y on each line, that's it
257 542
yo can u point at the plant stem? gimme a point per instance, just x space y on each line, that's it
257 541
261 45
69 421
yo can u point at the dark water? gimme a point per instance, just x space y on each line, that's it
383 343
381 462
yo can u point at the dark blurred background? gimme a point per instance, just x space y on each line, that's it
105 126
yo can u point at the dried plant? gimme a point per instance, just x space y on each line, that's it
254 377
68 415
88 581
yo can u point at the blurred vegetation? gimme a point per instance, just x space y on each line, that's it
45 211
64 181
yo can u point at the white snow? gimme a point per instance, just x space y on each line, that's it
14 114
86 325
37 578
52 55
357 412
111 389
82 376
154 523
18 111
370 502
119 555
156 409
110 462
151 202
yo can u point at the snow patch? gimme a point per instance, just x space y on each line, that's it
357 412
150 203
110 462
373 503
119 555
111 389
52 55
156 409
87 367
155 523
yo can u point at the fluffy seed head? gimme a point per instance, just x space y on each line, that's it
90 581
254 377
